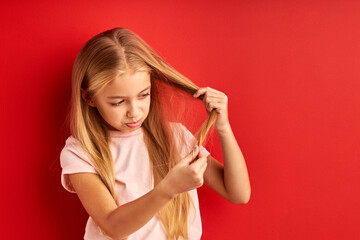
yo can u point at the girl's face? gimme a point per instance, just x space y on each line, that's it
125 102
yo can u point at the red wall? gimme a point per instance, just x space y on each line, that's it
289 68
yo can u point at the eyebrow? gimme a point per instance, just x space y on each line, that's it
114 97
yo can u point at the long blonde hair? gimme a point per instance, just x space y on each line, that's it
99 61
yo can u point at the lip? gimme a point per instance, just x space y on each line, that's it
134 124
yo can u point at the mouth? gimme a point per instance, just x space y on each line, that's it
134 124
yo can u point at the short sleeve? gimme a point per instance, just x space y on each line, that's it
185 146
73 160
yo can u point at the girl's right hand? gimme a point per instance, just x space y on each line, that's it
188 174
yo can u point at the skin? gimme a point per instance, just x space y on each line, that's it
124 100
229 180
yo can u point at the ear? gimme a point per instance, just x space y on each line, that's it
83 95
92 103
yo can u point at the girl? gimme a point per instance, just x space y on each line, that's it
134 171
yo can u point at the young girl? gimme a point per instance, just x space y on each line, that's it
135 172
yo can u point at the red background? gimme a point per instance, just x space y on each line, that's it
289 68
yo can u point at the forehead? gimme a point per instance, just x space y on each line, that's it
127 84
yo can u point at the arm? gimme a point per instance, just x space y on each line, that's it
120 221
230 180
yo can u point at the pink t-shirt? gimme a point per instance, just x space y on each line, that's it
133 179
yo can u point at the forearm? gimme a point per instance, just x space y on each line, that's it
186 175
236 178
130 217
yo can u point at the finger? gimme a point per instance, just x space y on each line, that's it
207 96
207 102
219 107
202 155
216 99
205 90
202 151
213 100
200 92
198 163
216 91
212 90
191 156
203 169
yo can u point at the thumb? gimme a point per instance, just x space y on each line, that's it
201 152
191 156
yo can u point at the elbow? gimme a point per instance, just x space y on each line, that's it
112 230
111 234
241 199
246 200
117 235
119 238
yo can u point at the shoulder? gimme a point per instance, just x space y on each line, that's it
72 143
73 159
72 152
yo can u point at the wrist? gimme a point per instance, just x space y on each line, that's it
165 190
225 130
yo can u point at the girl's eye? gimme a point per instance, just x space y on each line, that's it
117 104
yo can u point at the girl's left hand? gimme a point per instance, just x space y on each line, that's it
214 99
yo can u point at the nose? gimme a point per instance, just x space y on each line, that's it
133 110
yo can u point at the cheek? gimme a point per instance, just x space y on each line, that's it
101 111
146 106
109 114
